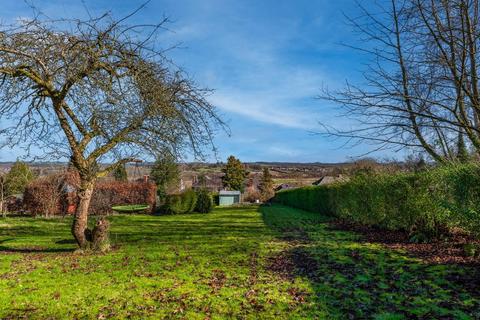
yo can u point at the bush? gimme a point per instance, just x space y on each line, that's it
111 193
51 195
425 204
252 196
204 201
216 198
44 196
180 203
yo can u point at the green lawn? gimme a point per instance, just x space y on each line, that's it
252 263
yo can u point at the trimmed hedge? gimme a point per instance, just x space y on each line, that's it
111 193
425 204
180 203
53 194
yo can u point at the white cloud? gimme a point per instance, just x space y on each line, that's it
256 108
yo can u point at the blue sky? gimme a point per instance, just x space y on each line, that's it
266 61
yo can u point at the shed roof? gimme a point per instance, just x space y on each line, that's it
229 193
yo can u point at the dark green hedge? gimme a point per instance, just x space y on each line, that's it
425 204
204 201
180 203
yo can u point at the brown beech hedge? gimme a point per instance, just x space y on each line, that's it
56 195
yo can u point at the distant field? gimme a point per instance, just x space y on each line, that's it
295 181
241 263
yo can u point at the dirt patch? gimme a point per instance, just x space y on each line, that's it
217 281
295 262
447 251
282 265
299 296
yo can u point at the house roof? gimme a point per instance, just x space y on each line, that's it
283 186
229 193
328 180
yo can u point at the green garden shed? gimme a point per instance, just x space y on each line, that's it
228 198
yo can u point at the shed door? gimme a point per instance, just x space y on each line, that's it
226 200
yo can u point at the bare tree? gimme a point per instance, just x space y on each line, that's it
421 85
97 91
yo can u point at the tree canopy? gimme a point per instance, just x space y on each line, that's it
165 173
120 173
266 185
234 174
18 177
14 182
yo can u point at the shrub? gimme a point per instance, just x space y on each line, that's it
51 195
425 204
120 173
44 196
252 196
204 201
180 203
110 193
216 198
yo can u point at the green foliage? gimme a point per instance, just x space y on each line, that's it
266 185
180 203
165 173
471 250
120 173
204 201
235 175
18 178
426 204
202 180
216 198
462 153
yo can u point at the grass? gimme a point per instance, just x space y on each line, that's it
218 266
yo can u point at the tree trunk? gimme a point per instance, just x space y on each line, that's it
80 221
100 241
2 201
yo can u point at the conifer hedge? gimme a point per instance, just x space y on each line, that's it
424 204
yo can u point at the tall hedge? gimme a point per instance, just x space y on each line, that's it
110 193
51 195
425 204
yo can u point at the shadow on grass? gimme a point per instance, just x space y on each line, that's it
36 249
201 233
66 241
364 281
